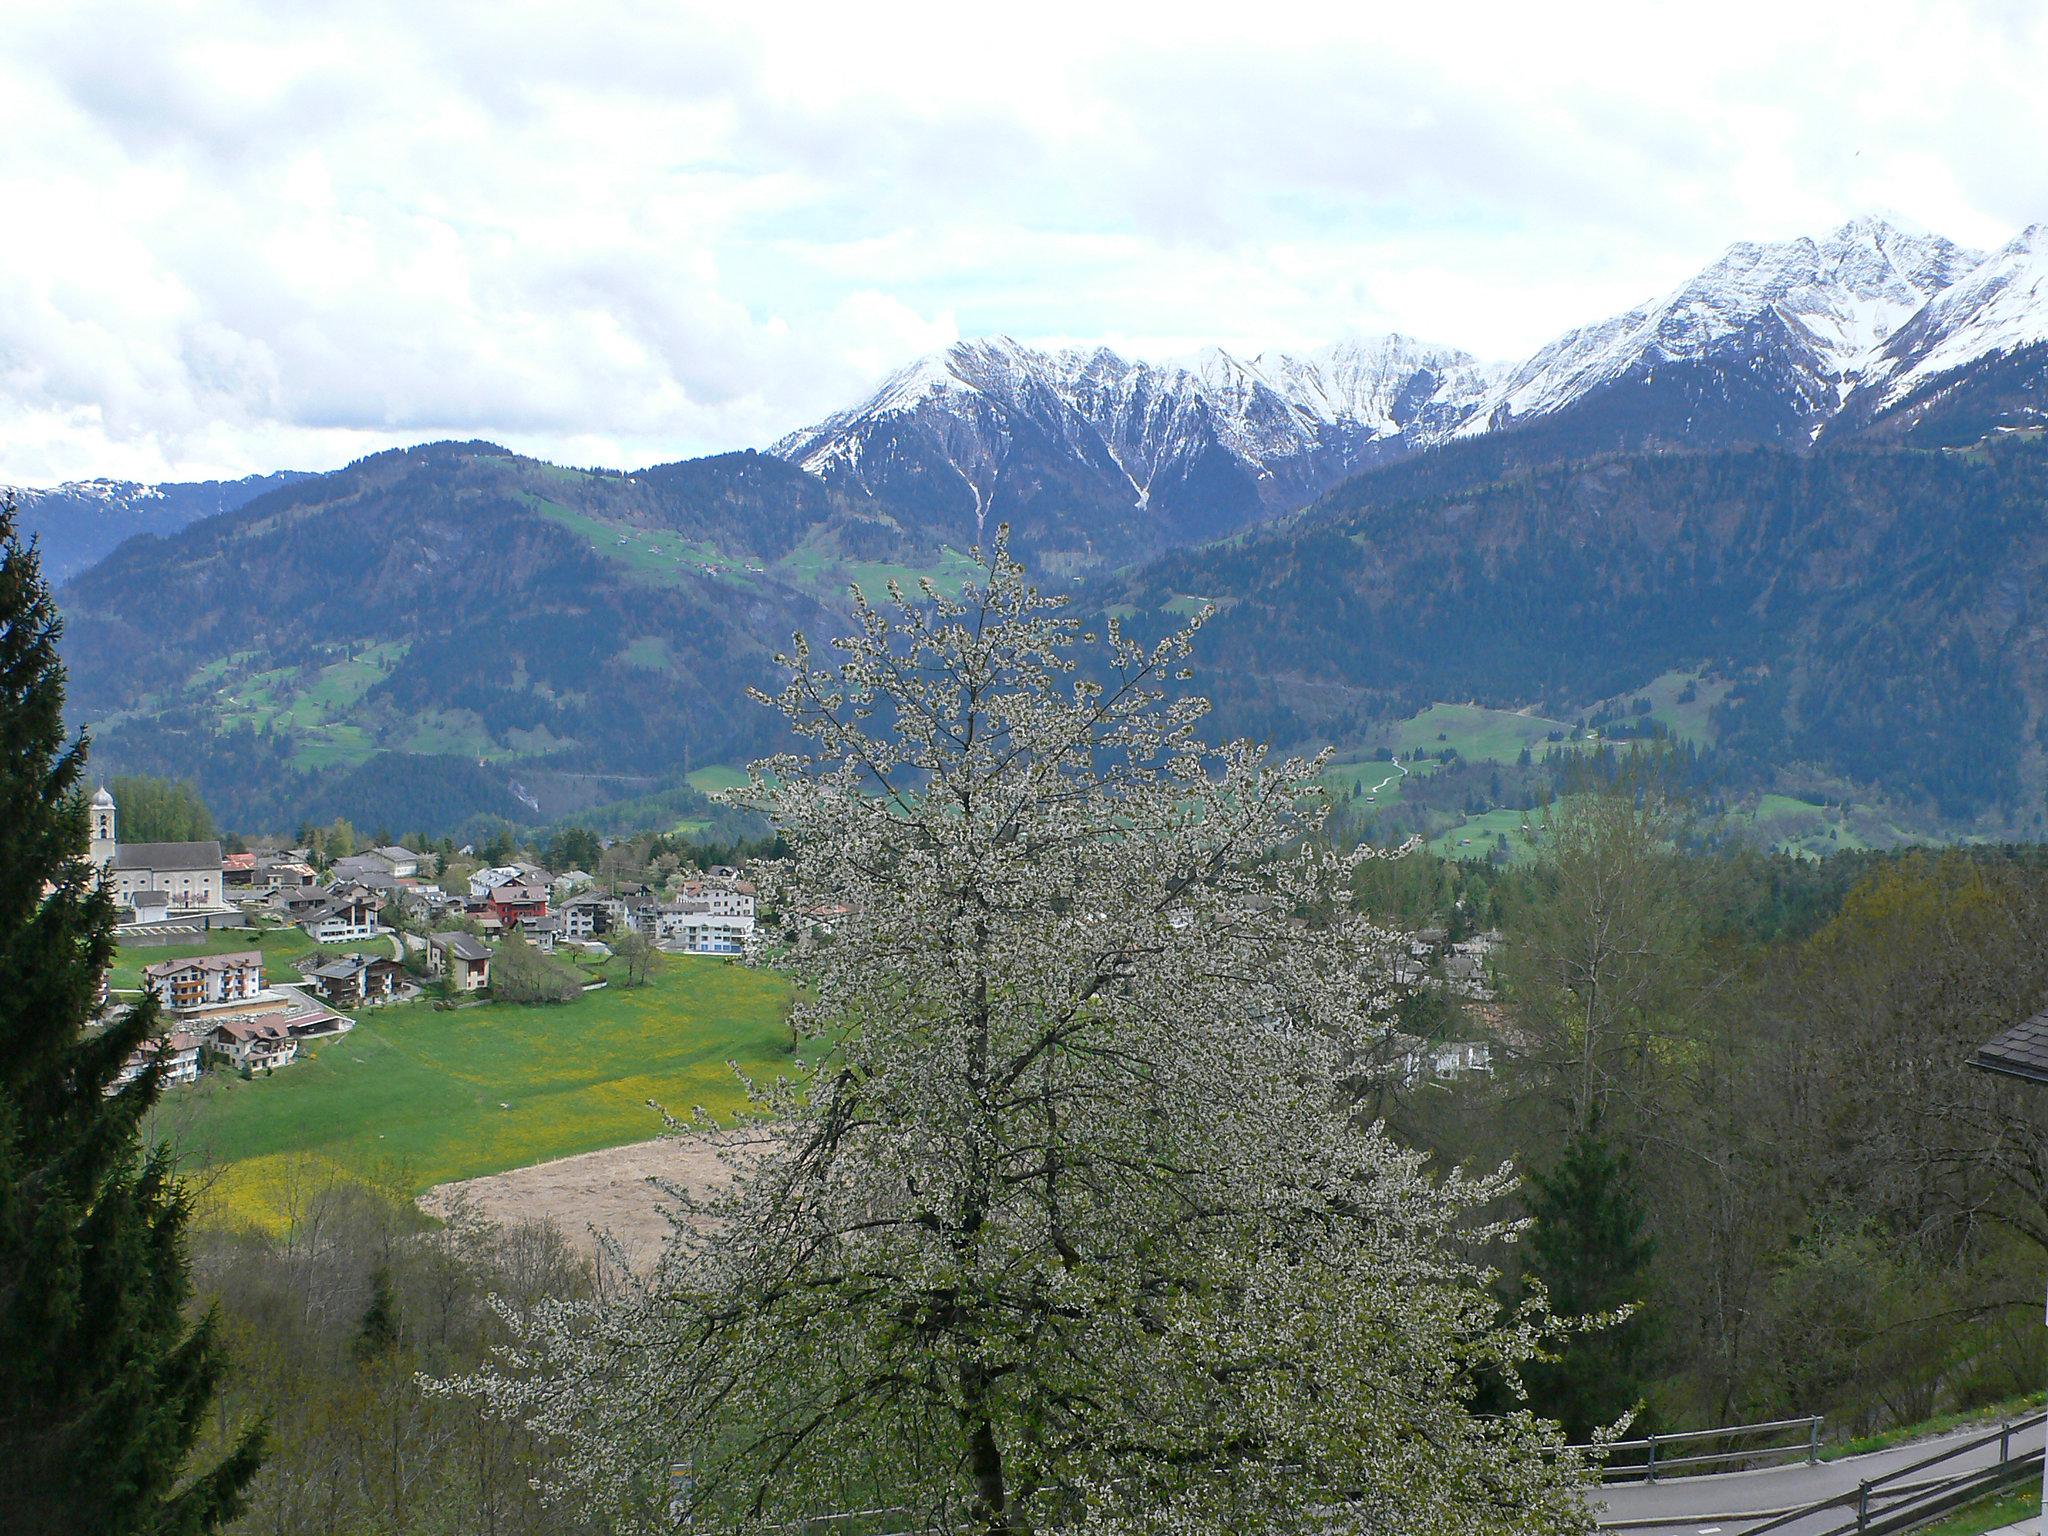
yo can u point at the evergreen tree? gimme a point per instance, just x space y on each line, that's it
1588 1247
378 1334
104 1380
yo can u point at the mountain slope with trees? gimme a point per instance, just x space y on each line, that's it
1875 610
455 629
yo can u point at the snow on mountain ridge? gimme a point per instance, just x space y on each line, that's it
1767 343
1272 406
1998 307
1834 300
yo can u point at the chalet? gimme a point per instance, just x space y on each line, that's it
348 981
542 932
208 983
238 871
512 902
256 1044
344 921
569 882
463 958
179 1052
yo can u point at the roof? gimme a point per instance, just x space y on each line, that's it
344 908
394 851
238 861
241 1029
204 855
101 800
514 891
339 970
464 946
2021 1051
234 962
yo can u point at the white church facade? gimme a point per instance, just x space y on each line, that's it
155 877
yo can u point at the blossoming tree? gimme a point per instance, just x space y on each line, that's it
1070 1227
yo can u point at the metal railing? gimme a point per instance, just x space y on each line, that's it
1657 1460
1891 1503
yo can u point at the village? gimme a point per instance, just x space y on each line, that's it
368 929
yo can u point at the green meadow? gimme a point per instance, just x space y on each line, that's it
416 1096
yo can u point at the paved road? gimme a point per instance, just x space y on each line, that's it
1730 1502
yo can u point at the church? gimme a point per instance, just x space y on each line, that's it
155 877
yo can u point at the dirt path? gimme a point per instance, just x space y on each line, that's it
593 1192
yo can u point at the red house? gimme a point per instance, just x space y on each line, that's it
509 903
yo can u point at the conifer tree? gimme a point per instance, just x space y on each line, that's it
1588 1247
104 1379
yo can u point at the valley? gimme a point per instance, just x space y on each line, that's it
1750 518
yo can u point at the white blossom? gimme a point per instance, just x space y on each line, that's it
1072 1226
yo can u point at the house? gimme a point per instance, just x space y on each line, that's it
189 873
484 881
308 1020
569 882
256 1044
296 901
350 980
209 983
723 896
513 902
284 872
238 871
179 1052
399 862
151 906
360 866
463 958
542 932
588 915
343 921
704 933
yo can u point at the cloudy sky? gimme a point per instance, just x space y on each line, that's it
243 237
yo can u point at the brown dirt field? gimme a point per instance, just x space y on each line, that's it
592 1192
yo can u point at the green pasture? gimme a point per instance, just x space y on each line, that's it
1478 734
416 1096
717 778
1484 829
824 570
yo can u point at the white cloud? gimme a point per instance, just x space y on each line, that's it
250 236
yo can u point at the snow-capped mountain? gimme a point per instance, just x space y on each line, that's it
1195 448
1771 343
81 521
1799 316
1999 308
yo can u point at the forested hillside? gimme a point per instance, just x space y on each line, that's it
454 629
1873 610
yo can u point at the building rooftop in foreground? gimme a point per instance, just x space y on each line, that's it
2021 1051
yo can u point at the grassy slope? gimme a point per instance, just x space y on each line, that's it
415 1096
1478 734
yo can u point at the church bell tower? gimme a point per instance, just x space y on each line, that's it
103 827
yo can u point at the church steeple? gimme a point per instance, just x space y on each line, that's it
103 840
